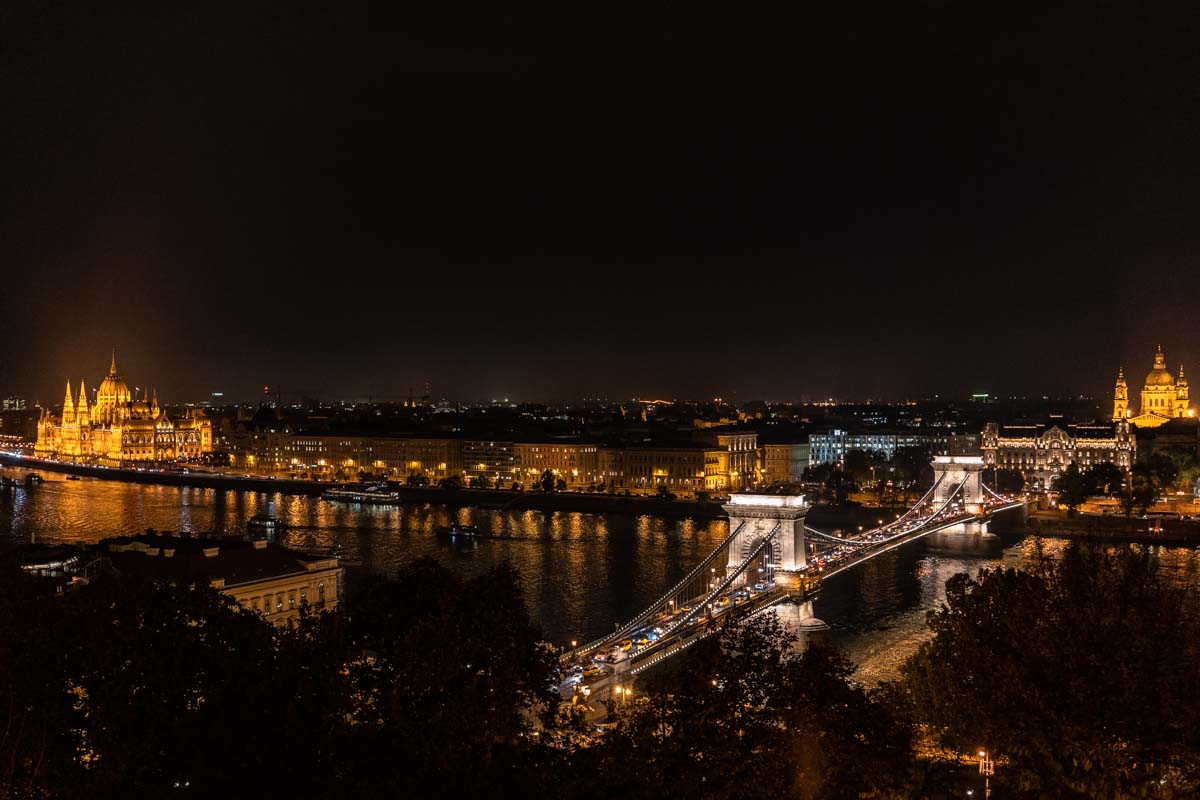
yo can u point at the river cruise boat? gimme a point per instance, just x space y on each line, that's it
378 494
462 533
265 523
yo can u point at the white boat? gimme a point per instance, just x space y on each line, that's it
379 494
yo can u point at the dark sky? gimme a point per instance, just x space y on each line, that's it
655 201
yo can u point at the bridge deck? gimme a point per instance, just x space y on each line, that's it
677 631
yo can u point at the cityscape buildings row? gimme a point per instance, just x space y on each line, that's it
638 446
831 447
727 461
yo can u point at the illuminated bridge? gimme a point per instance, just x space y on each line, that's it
772 557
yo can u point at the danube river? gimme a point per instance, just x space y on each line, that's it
581 572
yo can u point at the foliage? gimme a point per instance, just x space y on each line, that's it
863 465
1080 675
1104 478
750 711
910 463
1005 481
129 689
1163 469
442 672
1144 488
1072 488
547 481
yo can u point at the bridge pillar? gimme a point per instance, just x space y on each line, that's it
761 513
978 527
953 470
799 618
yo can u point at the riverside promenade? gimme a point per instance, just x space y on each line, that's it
484 498
1098 528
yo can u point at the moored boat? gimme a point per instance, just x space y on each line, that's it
378 494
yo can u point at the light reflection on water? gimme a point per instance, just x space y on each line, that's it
581 572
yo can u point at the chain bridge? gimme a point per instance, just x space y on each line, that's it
770 558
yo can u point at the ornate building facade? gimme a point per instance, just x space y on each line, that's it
1164 396
1041 452
117 428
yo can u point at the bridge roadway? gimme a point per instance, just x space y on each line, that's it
677 631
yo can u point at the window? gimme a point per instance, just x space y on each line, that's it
279 601
321 594
292 599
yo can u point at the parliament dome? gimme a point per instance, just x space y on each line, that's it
112 393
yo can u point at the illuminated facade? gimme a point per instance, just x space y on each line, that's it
1041 452
783 463
831 447
576 463
741 454
682 469
1164 396
259 575
118 428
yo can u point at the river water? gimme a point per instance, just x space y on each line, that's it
581 572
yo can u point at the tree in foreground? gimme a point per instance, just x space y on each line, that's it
1079 675
131 689
443 676
749 716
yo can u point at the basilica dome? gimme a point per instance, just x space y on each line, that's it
1159 376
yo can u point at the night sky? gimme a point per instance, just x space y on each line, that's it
649 201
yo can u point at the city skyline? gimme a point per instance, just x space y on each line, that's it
906 203
220 394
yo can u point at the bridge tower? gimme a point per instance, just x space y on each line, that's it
761 513
953 470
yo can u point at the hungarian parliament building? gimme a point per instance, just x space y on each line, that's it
117 428
1040 452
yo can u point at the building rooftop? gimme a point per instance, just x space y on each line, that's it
182 559
1092 431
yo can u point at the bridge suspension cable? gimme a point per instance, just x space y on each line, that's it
657 605
897 539
920 503
729 578
854 541
994 493
829 537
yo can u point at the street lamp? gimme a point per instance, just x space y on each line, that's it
987 768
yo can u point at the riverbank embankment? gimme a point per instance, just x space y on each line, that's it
1092 527
495 499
